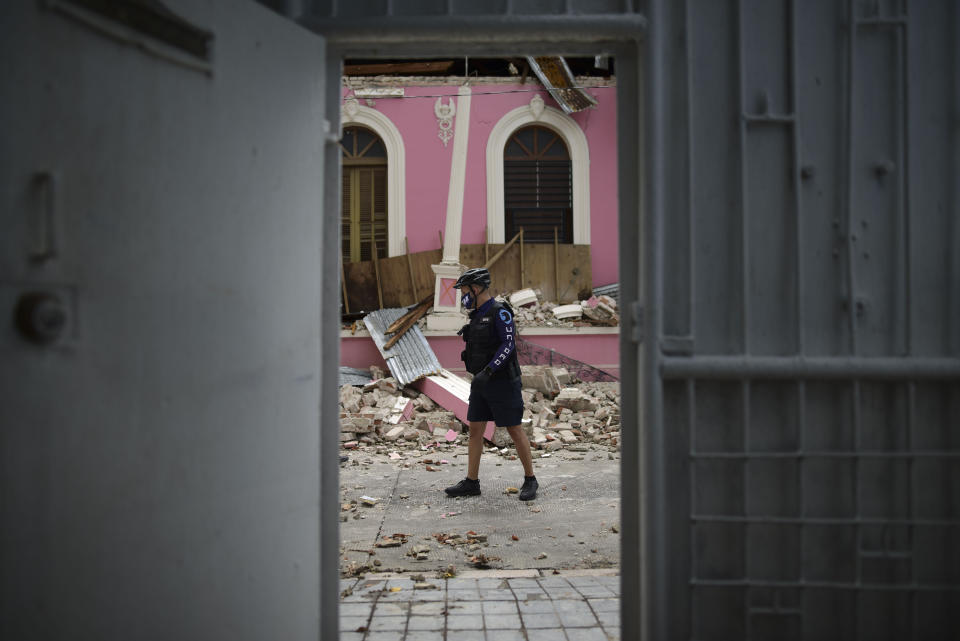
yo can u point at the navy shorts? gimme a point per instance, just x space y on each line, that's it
498 400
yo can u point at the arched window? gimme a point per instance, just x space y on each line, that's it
575 142
537 186
364 205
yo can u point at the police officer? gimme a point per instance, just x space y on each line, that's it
491 357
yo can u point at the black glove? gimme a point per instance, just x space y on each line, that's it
482 377
463 332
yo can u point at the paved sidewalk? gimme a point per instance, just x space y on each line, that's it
573 523
574 606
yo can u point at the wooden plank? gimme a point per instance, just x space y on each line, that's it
409 320
556 262
361 286
376 271
523 275
413 282
395 280
547 268
576 278
343 285
504 273
500 253
422 272
397 324
538 264
407 68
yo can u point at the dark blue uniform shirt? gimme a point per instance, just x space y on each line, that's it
503 323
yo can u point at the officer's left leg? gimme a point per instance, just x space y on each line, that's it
522 443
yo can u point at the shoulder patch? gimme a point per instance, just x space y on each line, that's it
505 316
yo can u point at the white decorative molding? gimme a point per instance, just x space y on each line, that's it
536 107
356 114
445 114
379 92
350 107
576 141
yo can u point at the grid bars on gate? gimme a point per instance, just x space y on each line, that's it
759 527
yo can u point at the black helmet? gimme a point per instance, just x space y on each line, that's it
475 276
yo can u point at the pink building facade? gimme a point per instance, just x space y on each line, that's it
412 117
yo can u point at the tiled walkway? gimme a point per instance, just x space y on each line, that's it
536 608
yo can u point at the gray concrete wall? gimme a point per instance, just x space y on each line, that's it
159 465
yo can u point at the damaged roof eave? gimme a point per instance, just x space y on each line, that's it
555 75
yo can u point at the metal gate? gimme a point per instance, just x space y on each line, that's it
805 466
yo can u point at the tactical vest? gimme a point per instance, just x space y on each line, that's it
483 343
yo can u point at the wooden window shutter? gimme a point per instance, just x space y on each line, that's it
538 186
364 205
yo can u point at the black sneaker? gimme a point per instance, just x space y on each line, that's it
466 487
529 490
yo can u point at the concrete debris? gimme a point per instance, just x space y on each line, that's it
523 297
389 542
576 401
563 312
394 433
560 413
545 380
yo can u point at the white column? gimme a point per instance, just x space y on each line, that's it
446 300
458 176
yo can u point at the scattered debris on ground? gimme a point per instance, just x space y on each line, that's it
560 412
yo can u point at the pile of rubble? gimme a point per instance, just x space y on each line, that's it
532 311
559 412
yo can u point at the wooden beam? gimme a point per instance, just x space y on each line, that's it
500 253
523 280
376 269
556 264
343 284
486 246
411 319
403 68
397 324
413 281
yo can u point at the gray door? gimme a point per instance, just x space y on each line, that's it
162 230
804 334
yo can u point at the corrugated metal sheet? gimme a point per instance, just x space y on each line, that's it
411 358
555 75
613 291
354 376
